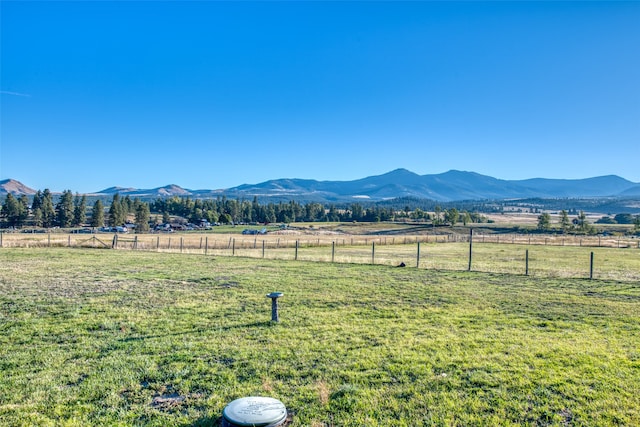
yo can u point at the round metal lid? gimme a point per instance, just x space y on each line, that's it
255 411
275 295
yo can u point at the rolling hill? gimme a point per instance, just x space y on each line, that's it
448 186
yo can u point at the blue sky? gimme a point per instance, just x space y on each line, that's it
212 95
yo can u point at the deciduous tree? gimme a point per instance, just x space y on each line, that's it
544 221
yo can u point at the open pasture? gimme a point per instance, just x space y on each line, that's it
614 258
102 337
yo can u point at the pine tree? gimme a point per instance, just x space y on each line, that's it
97 214
14 211
48 211
64 209
142 217
37 201
117 215
565 223
80 210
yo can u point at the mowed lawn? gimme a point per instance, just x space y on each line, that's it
103 337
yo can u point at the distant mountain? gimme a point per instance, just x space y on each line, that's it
609 185
166 191
631 192
448 186
15 187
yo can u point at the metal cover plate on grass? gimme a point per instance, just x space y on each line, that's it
255 411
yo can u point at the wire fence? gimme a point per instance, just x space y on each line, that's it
600 257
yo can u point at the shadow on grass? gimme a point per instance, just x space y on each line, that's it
262 324
217 422
205 422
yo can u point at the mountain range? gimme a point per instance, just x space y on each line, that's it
448 186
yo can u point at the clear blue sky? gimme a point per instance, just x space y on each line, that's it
212 95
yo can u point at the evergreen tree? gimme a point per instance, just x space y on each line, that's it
128 206
64 209
37 201
14 211
48 211
357 212
142 217
80 210
24 203
97 214
583 224
623 218
37 217
117 215
582 221
565 223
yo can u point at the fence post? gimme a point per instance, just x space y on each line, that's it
333 251
297 243
526 262
135 242
470 246
591 267
373 252
206 244
49 239
1 233
158 243
169 244
114 244
69 241
263 249
233 247
418 257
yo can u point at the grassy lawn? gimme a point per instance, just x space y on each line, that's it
103 337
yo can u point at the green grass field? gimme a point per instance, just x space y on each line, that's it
93 337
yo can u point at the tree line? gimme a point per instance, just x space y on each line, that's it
68 210
72 211
580 225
